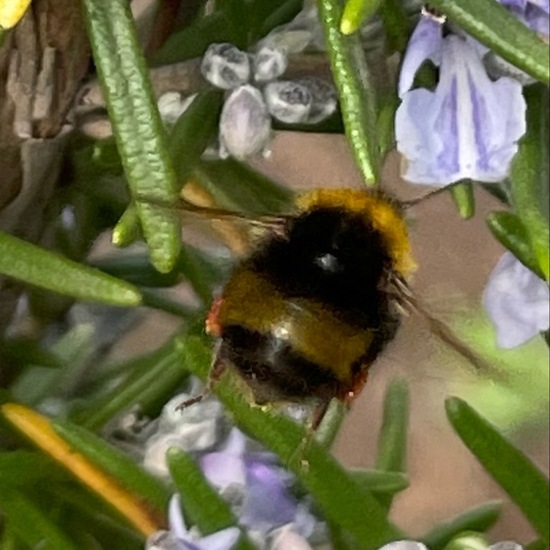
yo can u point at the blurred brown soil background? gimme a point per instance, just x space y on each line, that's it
455 258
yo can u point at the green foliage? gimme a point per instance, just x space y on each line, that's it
357 96
64 368
530 490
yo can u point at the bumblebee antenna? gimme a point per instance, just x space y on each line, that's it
413 202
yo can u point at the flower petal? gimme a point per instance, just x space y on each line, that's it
517 302
467 128
222 540
223 469
425 43
286 539
175 518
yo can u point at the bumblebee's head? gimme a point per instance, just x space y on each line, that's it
382 222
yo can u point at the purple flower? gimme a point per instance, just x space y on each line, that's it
256 487
468 127
517 302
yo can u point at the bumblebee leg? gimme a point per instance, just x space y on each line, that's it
317 414
216 371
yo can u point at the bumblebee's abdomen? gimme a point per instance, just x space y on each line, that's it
312 329
273 369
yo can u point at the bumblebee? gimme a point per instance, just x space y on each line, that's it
307 313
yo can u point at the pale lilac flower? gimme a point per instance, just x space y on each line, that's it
468 127
257 489
194 429
517 302
287 539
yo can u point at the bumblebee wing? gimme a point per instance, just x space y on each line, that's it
267 221
411 304
239 231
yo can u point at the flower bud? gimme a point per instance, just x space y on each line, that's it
245 126
269 63
171 106
288 101
225 66
323 96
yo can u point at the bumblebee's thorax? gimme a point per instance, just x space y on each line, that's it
331 256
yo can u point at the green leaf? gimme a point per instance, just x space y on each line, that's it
510 468
160 300
381 481
200 271
136 269
192 41
19 469
127 229
396 24
385 123
194 130
36 266
136 123
202 505
356 12
154 378
530 177
32 524
121 467
331 424
342 501
192 265
502 31
238 21
24 351
238 187
463 196
510 232
283 13
392 439
356 91
480 519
